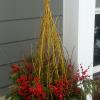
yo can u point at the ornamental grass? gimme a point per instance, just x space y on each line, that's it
47 74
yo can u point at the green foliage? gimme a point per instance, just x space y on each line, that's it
90 86
12 96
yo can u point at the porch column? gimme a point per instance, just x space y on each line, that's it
78 31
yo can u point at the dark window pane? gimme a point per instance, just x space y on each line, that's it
97 40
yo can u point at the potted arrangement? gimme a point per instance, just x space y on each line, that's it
47 74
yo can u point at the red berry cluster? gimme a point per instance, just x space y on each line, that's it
29 90
65 87
29 86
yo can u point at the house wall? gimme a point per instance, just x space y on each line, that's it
19 28
97 3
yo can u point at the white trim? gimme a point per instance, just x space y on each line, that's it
78 31
97 10
96 69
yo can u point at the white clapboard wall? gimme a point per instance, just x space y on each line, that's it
19 28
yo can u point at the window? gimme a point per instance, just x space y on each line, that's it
96 68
